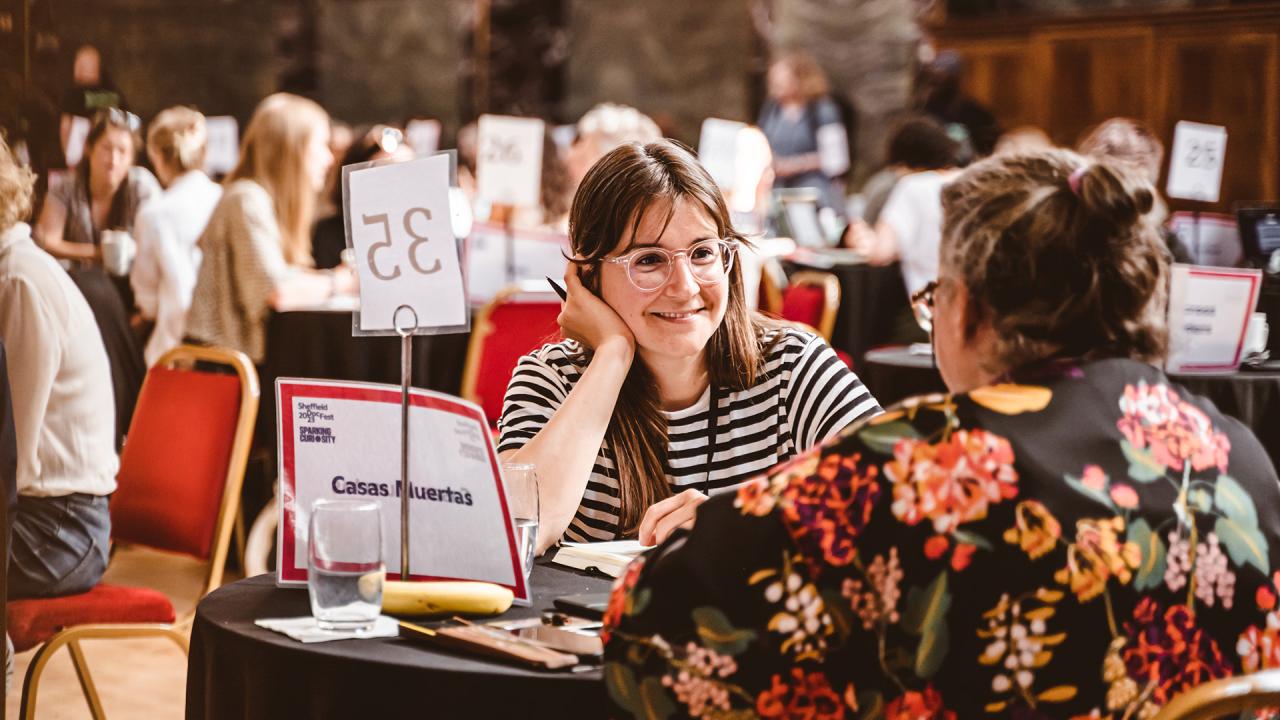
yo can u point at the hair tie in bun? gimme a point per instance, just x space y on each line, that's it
1073 181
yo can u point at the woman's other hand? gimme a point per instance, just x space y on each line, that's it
588 319
665 516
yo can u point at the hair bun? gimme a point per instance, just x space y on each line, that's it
1112 195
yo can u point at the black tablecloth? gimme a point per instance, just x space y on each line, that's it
239 670
1252 397
873 303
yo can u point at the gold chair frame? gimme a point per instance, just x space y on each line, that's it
770 300
184 356
830 286
1226 697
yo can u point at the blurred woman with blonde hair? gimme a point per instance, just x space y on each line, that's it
257 247
167 227
805 129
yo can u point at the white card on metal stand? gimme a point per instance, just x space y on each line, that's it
509 160
1196 161
399 224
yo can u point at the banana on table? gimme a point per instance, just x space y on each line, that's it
439 597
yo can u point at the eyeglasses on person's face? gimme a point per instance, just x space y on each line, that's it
649 268
922 306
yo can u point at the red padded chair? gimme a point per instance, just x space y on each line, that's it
812 298
514 323
178 491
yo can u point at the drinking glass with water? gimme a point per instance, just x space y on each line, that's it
522 494
344 569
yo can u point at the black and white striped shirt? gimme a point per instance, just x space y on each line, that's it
805 396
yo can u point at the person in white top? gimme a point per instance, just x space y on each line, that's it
168 226
63 405
909 227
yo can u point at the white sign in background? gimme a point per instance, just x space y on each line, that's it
537 255
718 150
423 136
342 441
222 151
1196 161
509 160
398 219
1209 310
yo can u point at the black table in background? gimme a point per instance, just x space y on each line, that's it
1250 396
239 670
873 305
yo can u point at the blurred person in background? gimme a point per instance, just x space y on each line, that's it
939 93
1131 145
63 410
104 193
806 132
329 238
1068 534
1023 139
257 245
169 225
603 128
917 144
91 91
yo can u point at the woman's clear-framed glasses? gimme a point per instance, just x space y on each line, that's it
649 268
922 306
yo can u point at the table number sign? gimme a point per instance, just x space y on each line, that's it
509 160
1209 311
398 222
1195 164
337 440
718 150
223 149
538 255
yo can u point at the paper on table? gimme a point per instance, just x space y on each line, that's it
610 558
305 629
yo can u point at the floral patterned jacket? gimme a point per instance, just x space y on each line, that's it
1088 546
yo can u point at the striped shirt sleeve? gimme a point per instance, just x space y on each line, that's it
824 396
536 391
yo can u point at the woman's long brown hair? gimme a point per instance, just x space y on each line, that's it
610 204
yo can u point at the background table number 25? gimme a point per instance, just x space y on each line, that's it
398 225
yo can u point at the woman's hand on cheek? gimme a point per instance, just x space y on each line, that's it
665 516
589 319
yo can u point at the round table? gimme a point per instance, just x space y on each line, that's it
1250 396
239 670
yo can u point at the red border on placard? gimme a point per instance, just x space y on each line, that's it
288 390
1254 280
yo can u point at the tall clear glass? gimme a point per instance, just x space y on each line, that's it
522 495
345 571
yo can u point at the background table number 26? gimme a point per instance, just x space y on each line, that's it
398 225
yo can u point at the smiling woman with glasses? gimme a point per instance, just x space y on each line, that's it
668 388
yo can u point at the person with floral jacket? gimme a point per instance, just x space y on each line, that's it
1067 534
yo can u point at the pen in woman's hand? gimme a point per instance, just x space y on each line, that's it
559 290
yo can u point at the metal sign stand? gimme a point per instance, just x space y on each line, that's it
406 371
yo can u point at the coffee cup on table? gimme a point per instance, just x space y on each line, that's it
118 250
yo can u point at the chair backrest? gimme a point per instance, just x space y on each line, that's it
183 462
1228 697
772 278
813 299
514 323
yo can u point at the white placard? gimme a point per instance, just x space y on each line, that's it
833 149
223 149
718 149
398 222
423 136
538 255
76 138
509 160
341 440
1195 163
1209 310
